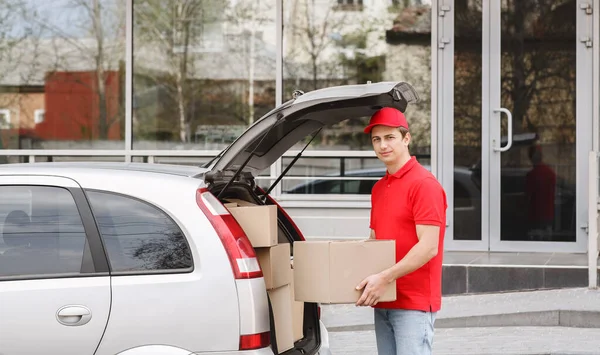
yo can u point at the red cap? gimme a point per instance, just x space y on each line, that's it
387 116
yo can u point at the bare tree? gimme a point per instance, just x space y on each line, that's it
19 49
169 31
95 41
326 41
313 29
249 17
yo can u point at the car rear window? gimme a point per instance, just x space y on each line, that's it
41 232
138 236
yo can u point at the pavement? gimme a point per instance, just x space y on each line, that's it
549 322
485 341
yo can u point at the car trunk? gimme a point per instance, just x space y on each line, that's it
287 233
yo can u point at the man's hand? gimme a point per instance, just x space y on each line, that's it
374 287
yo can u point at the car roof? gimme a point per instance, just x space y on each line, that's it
133 168
155 183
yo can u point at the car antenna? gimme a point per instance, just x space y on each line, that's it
239 170
291 164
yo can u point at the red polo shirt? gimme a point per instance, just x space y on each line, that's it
400 201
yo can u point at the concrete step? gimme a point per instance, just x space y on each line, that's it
474 279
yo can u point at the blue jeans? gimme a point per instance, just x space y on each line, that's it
404 332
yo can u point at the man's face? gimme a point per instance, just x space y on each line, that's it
389 144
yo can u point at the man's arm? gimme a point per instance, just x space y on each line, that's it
425 250
419 255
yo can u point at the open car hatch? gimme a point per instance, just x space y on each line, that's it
279 130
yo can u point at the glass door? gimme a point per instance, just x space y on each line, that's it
532 115
522 126
468 217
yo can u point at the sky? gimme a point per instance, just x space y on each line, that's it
47 17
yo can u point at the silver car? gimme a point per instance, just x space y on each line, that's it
131 258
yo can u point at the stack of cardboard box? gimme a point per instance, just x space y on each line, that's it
322 271
260 225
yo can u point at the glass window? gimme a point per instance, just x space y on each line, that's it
62 75
42 232
462 197
202 73
317 175
326 47
138 236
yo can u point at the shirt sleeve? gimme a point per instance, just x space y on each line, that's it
429 203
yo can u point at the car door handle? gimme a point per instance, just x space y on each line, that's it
74 315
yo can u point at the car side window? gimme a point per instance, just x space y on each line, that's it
41 232
138 237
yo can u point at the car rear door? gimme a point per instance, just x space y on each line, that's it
54 282
279 130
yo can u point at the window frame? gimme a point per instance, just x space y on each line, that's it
151 205
6 112
92 258
39 116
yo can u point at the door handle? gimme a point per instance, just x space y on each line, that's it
73 315
509 133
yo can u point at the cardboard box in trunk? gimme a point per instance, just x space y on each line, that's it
297 315
281 304
275 264
239 202
258 222
329 271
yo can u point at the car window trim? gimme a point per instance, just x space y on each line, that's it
98 253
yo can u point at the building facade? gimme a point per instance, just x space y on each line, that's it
508 112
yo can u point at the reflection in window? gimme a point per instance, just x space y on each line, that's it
42 232
462 197
325 47
318 175
138 236
62 75
202 73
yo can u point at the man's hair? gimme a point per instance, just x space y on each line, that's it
403 132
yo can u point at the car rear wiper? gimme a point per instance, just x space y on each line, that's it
239 170
291 164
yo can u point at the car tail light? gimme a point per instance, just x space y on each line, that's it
255 341
237 245
285 214
319 312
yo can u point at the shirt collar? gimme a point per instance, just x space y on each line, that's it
403 170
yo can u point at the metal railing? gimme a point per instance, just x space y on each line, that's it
198 157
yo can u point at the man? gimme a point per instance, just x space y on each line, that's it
540 188
408 205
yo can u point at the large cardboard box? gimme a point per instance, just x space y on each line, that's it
281 304
275 264
329 271
258 222
297 315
